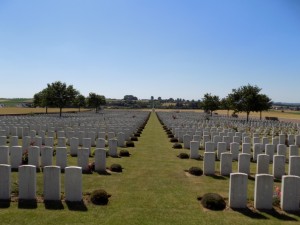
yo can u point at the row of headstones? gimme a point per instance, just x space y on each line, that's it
51 181
44 157
263 162
69 134
63 142
263 192
194 119
234 149
237 137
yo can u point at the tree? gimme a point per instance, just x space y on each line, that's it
210 103
61 95
247 99
130 98
80 101
227 103
95 101
42 99
264 103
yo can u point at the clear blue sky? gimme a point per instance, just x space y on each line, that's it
160 48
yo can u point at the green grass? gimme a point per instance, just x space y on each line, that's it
152 189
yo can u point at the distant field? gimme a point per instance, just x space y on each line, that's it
16 110
12 102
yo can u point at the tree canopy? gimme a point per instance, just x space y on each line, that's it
210 102
95 101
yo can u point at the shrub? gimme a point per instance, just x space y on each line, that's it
197 171
99 197
116 168
213 201
134 138
170 135
137 135
129 144
169 132
183 156
173 139
177 146
124 153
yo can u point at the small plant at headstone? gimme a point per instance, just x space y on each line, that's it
276 196
177 146
169 132
25 157
170 135
196 171
173 139
99 197
116 168
91 167
124 153
129 144
183 155
213 201
137 135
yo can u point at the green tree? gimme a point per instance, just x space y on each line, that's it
210 103
80 101
95 101
227 103
264 103
61 95
247 99
42 99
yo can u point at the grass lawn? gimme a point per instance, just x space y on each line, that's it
153 189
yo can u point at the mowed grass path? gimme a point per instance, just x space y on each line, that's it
153 189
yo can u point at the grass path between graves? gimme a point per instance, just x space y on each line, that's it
153 189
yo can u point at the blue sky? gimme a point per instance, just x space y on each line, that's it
160 48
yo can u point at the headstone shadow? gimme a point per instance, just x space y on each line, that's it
53 205
4 204
77 206
251 214
27 204
278 215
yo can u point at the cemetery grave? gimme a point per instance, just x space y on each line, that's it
65 160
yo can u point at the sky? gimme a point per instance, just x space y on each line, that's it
161 48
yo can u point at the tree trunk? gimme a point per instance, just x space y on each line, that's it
260 114
228 113
211 113
60 110
248 116
46 109
79 109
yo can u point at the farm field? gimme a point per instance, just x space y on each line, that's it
152 189
16 110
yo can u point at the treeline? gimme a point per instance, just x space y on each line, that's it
60 95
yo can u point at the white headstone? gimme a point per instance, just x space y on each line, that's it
4 155
262 166
294 165
16 157
27 182
278 166
5 181
209 163
244 163
263 192
61 157
290 193
226 164
73 184
100 160
51 183
238 190
46 156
